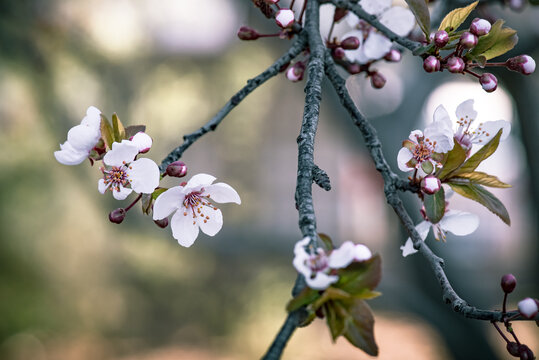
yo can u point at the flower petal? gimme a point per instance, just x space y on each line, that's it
376 46
438 132
459 222
440 114
399 20
423 230
102 186
69 156
343 256
92 118
167 202
300 262
200 180
142 141
321 281
466 111
362 252
352 20
408 248
121 153
212 225
122 194
300 245
222 193
375 7
184 228
486 131
403 157
83 138
144 175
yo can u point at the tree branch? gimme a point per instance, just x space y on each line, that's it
295 48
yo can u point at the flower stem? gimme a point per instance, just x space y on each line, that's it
500 331
133 203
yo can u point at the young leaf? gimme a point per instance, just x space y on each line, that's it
456 17
326 241
454 159
358 276
133 130
334 318
421 13
423 49
473 162
435 206
484 197
118 128
360 327
507 39
482 178
305 297
158 192
106 132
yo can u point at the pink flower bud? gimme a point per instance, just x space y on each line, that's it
284 18
393 55
339 14
431 64
468 40
480 27
377 80
177 169
430 184
271 1
117 215
247 33
338 53
508 283
455 64
515 5
523 64
295 73
528 308
353 68
350 43
163 223
489 82
512 348
441 38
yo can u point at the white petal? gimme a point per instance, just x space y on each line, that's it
92 118
352 20
423 229
300 263
144 175
82 137
528 307
121 153
414 134
399 20
343 256
213 224
375 7
486 131
168 202
403 157
102 186
300 245
321 281
122 194
466 109
440 114
408 248
142 141
376 46
362 252
438 132
222 193
184 228
459 222
68 155
200 180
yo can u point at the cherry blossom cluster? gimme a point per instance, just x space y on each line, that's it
124 171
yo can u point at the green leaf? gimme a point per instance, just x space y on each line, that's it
360 327
456 17
106 132
487 41
305 297
484 197
358 276
473 162
454 159
421 13
326 240
118 128
427 167
329 294
133 130
158 192
507 39
424 49
146 201
435 206
482 178
334 311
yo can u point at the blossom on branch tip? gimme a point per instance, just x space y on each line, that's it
488 82
523 64
81 139
528 308
457 222
193 208
142 141
284 18
480 27
123 174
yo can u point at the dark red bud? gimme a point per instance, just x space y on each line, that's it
353 68
468 40
441 38
338 53
350 43
512 348
247 33
431 64
117 215
163 223
177 169
377 80
508 283
525 353
339 14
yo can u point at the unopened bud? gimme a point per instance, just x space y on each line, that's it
480 27
339 14
295 72
163 223
177 169
338 53
525 352
523 64
468 40
377 80
441 38
350 43
508 283
271 1
430 184
353 68
431 64
528 308
284 18
455 64
247 33
117 215
515 5
512 348
489 82
393 55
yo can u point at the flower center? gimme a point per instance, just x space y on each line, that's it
423 150
195 202
318 262
117 177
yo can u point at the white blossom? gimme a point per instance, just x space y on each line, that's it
528 308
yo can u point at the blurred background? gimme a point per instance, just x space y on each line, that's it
75 286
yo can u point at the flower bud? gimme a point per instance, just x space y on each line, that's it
393 55
480 27
177 169
377 80
295 72
163 223
441 38
117 215
271 1
525 352
512 348
515 5
284 18
353 68
247 33
350 43
468 40
338 53
455 65
528 308
508 283
523 64
431 64
489 82
430 184
339 14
